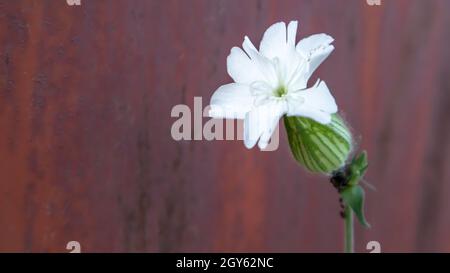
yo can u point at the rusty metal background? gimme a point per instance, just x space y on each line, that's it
85 147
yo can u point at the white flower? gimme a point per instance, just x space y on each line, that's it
272 82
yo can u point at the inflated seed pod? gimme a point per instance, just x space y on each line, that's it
320 148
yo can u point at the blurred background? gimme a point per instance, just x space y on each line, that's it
86 152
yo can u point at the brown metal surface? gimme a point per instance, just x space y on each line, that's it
86 152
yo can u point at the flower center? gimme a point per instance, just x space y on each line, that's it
280 91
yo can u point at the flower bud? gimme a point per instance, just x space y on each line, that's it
320 148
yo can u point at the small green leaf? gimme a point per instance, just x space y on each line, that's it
358 168
360 162
354 197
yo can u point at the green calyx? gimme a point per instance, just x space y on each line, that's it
320 148
349 187
326 148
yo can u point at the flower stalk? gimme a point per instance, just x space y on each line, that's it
346 180
349 230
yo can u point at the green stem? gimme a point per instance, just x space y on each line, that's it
349 240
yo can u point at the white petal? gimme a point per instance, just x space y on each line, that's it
264 65
273 43
315 49
276 112
262 92
309 44
241 68
249 48
296 72
319 95
318 58
231 101
319 116
292 33
260 123
316 103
